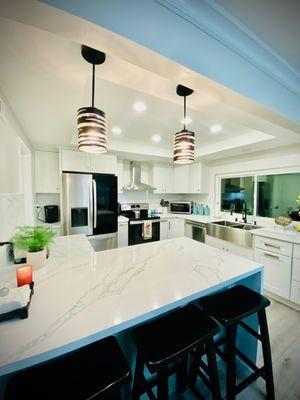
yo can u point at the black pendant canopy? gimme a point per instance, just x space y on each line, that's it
184 140
91 121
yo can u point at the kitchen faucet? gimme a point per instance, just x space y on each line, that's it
244 212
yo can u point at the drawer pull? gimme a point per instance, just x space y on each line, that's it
272 256
272 245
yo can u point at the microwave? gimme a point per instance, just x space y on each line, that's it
181 207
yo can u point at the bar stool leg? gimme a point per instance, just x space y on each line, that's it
213 370
266 354
181 376
231 332
162 383
138 378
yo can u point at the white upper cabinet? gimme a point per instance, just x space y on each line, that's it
198 178
46 172
163 178
171 178
83 162
181 179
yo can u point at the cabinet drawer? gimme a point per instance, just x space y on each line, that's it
297 251
273 245
277 267
296 269
295 292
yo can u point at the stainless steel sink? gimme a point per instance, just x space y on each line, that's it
247 227
235 232
226 223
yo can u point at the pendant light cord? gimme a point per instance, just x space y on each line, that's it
93 86
184 112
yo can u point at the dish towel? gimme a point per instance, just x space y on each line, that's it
147 230
17 297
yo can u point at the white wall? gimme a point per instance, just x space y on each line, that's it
13 182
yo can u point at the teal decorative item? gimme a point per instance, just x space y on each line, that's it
206 210
201 210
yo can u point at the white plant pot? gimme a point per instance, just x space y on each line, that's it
37 259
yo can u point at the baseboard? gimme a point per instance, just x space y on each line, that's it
282 300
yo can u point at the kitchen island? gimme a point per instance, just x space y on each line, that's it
82 296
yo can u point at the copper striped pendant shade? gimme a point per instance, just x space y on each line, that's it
184 147
92 132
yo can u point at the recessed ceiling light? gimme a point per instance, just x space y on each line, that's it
139 106
186 121
156 138
116 130
216 128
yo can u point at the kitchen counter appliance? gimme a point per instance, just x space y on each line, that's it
195 230
137 213
90 206
181 207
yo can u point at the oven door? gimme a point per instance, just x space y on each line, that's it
136 232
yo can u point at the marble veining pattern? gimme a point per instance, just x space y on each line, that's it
81 293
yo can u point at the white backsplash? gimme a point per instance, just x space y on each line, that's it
154 199
12 215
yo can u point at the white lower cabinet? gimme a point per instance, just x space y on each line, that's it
171 228
176 227
277 269
229 247
164 229
122 234
295 292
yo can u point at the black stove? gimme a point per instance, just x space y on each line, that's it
137 213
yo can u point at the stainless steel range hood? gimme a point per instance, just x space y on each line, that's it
135 179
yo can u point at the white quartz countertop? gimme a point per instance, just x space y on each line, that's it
287 235
81 296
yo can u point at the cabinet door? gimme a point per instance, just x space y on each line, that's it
46 172
277 272
295 292
163 179
164 229
75 161
181 179
103 164
198 178
123 235
176 227
296 269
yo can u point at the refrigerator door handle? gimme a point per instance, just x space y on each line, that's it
95 203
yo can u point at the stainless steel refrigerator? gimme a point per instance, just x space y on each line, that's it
90 207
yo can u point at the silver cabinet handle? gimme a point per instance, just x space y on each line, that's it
272 245
141 222
272 256
95 202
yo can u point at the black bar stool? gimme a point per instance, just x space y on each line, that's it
94 371
165 344
229 308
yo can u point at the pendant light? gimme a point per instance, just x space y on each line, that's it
91 122
184 141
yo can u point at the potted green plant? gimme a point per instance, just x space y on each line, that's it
34 240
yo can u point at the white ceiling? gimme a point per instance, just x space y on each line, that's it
45 81
277 22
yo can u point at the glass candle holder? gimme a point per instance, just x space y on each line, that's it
24 275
